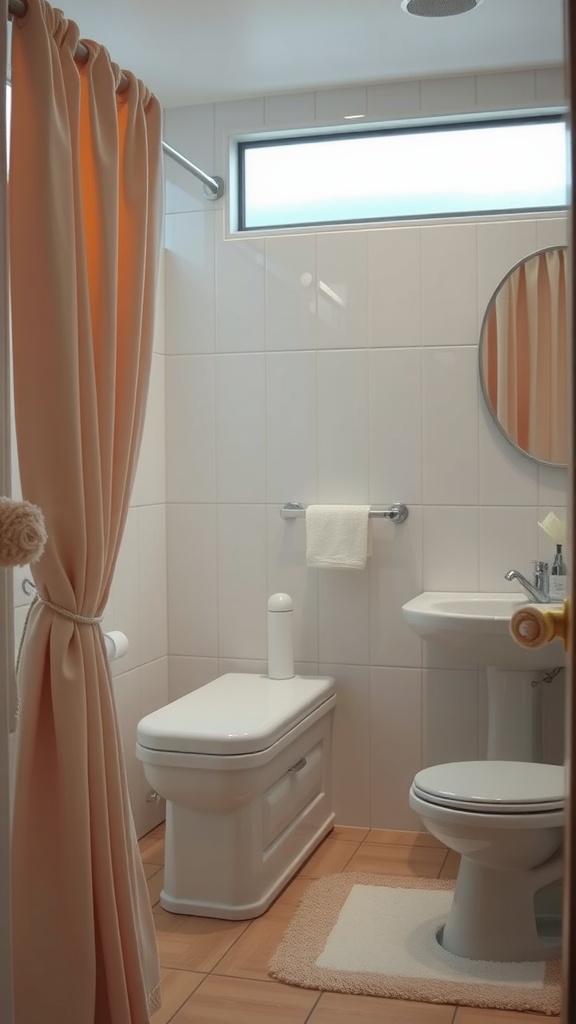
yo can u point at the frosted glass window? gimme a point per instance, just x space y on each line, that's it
402 173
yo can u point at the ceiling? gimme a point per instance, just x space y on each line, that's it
196 51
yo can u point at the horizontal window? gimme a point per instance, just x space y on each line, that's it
428 171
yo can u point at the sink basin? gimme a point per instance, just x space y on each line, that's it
476 626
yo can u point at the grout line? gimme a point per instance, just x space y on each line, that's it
312 1009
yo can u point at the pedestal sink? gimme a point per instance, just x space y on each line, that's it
476 626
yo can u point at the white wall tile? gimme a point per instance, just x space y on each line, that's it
291 431
343 460
257 665
150 482
552 485
187 674
450 716
395 577
551 85
342 289
450 546
291 292
190 131
152 583
508 540
507 477
288 573
190 283
192 571
393 99
506 89
452 95
552 231
351 744
334 105
294 109
240 432
242 592
395 390
395 745
234 116
344 616
153 686
240 319
126 691
125 595
190 429
554 718
449 285
394 265
159 340
450 426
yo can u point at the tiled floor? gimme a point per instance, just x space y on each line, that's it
214 972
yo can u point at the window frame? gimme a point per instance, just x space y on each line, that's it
299 137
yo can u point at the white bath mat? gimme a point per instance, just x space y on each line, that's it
374 935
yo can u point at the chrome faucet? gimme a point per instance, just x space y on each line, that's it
536 591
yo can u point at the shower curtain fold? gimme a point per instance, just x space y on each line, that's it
85 209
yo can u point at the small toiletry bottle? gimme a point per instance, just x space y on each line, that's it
557 579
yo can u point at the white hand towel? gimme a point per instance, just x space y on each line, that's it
337 536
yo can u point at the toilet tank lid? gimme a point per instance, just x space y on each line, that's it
507 784
238 713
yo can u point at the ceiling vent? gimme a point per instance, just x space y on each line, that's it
439 8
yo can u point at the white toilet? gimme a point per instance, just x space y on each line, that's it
506 820
245 766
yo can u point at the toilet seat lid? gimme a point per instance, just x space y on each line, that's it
493 787
238 713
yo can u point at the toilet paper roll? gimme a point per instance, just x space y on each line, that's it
116 644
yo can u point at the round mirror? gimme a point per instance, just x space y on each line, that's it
523 357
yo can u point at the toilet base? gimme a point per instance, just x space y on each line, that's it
493 917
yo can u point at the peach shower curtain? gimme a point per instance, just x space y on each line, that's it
84 205
525 350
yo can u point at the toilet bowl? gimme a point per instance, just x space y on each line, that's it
506 819
244 764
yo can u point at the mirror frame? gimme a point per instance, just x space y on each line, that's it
487 404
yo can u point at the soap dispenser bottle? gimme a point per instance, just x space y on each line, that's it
557 579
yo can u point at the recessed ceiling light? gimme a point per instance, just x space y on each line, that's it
439 8
353 117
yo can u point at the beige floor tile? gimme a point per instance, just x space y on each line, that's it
395 838
450 866
351 833
193 943
333 1008
474 1015
155 883
238 1001
379 859
150 869
292 894
250 954
152 846
330 857
176 987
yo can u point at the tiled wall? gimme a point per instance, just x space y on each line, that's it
138 600
275 394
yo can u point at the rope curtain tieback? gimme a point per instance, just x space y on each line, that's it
82 620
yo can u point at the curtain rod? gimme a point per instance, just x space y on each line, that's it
213 186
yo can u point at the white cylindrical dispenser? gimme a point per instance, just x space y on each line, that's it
280 637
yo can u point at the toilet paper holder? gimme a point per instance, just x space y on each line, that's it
396 513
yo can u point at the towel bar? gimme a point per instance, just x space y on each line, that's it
397 512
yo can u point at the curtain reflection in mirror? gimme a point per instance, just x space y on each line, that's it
525 356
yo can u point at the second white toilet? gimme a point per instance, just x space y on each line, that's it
245 766
506 819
